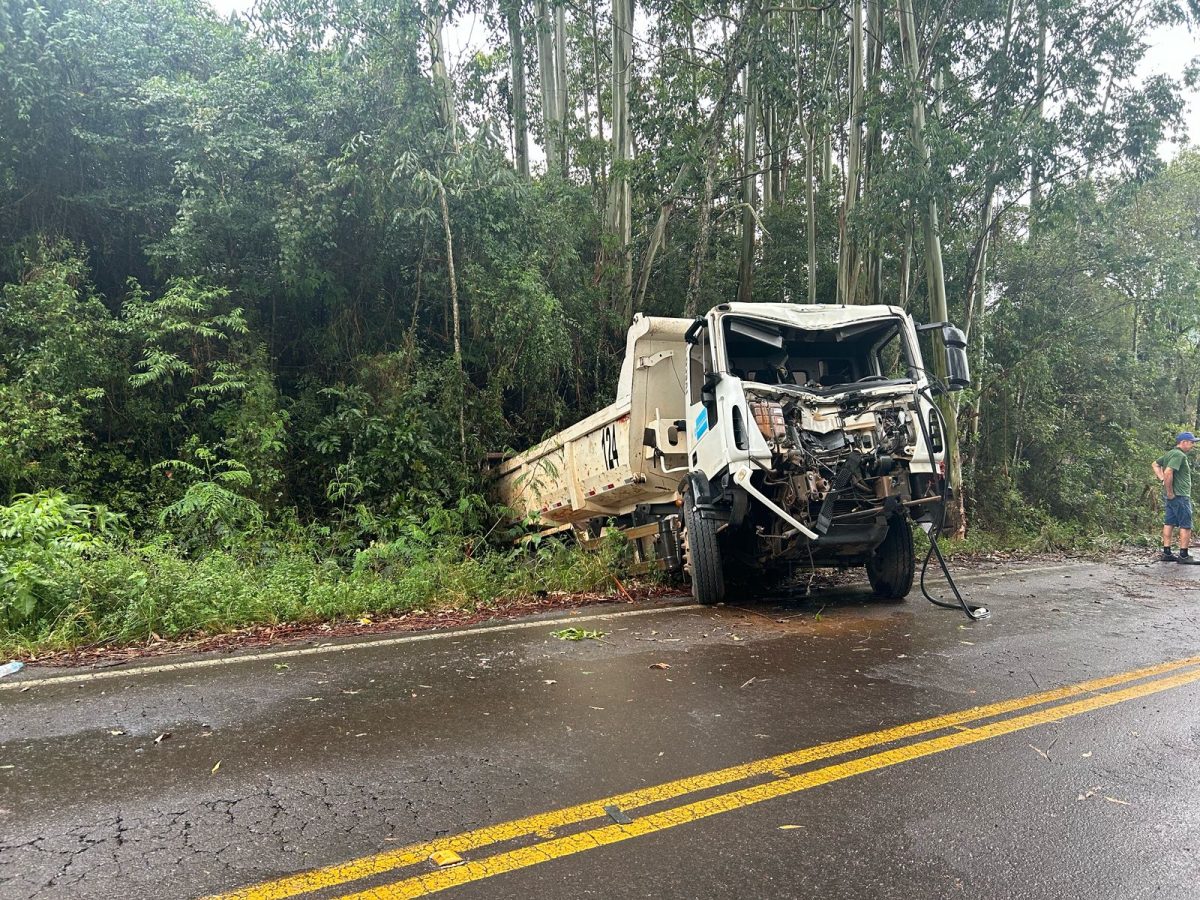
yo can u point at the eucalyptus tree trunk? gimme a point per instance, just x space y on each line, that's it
443 87
597 83
935 278
848 255
703 234
560 85
906 253
453 276
547 73
520 100
829 28
873 149
749 184
620 198
1035 168
809 137
768 135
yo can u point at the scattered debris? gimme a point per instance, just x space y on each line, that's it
11 668
1115 800
617 815
1042 753
750 682
214 768
116 732
1086 755
660 665
549 681
279 667
162 737
577 634
621 588
444 859
789 827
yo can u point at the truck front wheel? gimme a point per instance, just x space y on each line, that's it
892 565
702 554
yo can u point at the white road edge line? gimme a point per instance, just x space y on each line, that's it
332 648
391 642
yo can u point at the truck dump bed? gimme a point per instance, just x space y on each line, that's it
602 465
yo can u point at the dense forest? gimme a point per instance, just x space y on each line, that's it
274 286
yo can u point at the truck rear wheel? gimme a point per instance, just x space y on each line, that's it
702 554
892 565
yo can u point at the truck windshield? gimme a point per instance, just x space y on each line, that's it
818 359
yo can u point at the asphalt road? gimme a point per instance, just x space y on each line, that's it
825 746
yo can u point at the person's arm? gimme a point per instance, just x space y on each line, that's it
1158 470
1169 483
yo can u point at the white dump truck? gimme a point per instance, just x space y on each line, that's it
759 440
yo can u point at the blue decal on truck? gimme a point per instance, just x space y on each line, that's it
701 424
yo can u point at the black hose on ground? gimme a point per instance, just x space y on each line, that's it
974 613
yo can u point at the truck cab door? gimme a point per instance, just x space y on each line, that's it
705 425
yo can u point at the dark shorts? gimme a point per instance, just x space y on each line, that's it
1179 512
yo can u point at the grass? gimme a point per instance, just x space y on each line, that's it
126 595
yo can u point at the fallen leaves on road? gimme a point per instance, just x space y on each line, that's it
789 827
214 768
577 634
660 665
162 737
1042 753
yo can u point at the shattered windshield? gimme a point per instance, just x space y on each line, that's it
818 359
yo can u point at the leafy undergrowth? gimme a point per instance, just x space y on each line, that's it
70 580
1053 539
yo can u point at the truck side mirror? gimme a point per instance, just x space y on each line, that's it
958 371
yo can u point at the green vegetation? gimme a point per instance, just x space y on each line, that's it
272 287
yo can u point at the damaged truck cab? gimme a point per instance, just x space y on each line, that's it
758 440
812 442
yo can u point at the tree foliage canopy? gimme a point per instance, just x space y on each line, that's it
289 269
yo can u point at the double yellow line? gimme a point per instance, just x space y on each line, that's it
1096 694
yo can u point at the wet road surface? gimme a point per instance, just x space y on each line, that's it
829 745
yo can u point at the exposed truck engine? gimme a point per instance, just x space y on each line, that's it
755 441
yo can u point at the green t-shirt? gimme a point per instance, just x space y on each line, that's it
1176 459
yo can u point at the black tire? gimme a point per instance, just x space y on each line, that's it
702 554
892 565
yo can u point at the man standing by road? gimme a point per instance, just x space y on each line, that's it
1174 470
